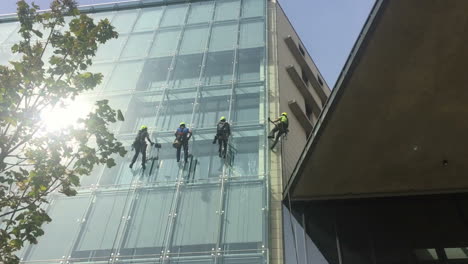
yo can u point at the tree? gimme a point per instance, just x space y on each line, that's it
34 162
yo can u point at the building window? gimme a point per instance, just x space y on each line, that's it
304 76
319 80
301 49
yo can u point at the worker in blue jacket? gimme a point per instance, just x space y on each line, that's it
183 135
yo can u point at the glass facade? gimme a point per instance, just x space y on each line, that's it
423 229
182 62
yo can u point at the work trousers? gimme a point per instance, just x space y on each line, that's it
280 131
222 141
183 144
138 149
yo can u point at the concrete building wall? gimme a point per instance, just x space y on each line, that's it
288 90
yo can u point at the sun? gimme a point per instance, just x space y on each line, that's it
65 115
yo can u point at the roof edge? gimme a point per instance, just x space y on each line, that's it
343 78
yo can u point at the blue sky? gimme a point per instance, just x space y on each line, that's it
328 28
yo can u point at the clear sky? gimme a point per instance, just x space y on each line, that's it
328 28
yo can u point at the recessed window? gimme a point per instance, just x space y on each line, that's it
301 49
319 80
304 76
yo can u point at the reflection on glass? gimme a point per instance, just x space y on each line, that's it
165 43
251 34
211 109
97 236
187 70
223 37
124 20
243 216
125 76
66 214
200 12
457 253
151 210
105 70
246 109
251 65
174 15
110 50
194 40
245 156
219 67
154 73
149 19
137 45
195 227
252 8
174 113
227 10
427 254
6 29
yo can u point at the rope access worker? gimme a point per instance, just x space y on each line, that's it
281 126
223 131
183 135
140 145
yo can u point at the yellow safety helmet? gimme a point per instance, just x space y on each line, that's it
182 123
284 113
143 127
222 118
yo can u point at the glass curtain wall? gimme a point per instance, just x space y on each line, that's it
189 62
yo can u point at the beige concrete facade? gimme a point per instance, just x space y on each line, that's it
285 94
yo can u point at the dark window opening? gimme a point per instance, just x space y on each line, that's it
301 49
319 80
308 111
304 76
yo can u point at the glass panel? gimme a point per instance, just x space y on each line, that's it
227 10
219 67
251 65
174 15
196 222
252 34
66 214
428 254
137 45
244 153
245 259
252 8
97 238
110 50
105 70
149 19
187 70
211 109
194 40
165 43
125 76
209 165
6 29
145 234
124 20
456 253
142 111
168 169
120 173
175 112
223 37
154 73
5 54
102 15
200 12
246 109
243 216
